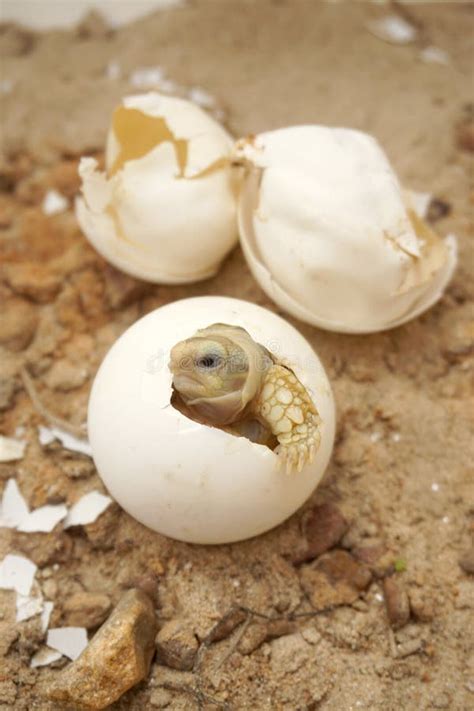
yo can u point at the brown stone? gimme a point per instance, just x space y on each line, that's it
86 609
18 322
334 579
323 528
396 603
226 625
176 646
117 658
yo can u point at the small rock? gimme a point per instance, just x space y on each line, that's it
466 561
64 376
161 698
323 528
226 625
396 603
86 609
117 658
18 323
176 646
334 579
35 281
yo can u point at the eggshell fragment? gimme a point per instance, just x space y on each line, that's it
187 480
331 237
164 210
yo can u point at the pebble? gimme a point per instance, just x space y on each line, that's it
323 528
176 646
466 561
334 579
18 323
396 603
226 625
86 609
117 658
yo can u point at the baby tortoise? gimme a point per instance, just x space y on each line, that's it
225 379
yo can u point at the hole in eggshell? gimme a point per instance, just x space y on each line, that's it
138 133
248 427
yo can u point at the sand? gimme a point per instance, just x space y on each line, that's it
402 469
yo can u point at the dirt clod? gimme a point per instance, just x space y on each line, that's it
323 528
176 645
334 579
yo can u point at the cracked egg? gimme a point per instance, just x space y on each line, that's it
211 420
164 209
329 234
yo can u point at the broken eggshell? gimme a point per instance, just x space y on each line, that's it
329 234
164 210
184 479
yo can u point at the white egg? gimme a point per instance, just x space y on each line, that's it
164 210
187 480
329 234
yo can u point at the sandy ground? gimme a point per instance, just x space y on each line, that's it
402 467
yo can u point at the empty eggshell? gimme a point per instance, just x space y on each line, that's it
164 210
329 234
184 479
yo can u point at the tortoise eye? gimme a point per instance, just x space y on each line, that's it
208 362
